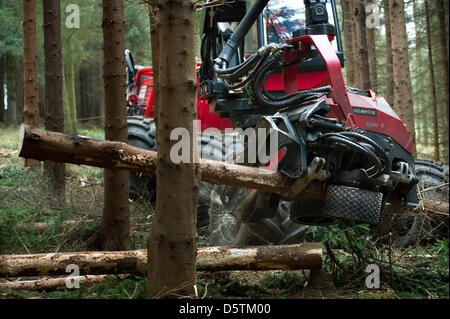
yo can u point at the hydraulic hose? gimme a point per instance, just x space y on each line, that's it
238 35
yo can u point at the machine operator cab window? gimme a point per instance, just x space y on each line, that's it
279 21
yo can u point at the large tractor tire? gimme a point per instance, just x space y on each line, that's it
410 230
142 134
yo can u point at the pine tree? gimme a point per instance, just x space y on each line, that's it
115 227
54 113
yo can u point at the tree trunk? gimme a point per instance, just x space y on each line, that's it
389 61
115 227
101 92
355 49
402 78
172 246
286 257
432 85
69 99
2 88
363 53
54 113
19 90
372 58
348 43
11 112
154 36
30 68
443 36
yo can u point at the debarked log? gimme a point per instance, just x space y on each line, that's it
57 147
288 257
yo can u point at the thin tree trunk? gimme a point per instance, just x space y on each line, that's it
101 92
355 49
54 113
443 36
2 88
19 89
348 44
172 247
69 100
372 58
115 227
11 87
30 68
389 61
402 78
363 53
154 36
432 85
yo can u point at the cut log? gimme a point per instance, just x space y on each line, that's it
289 257
57 147
51 283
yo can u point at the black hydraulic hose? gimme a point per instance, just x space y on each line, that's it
250 76
238 35
337 137
379 150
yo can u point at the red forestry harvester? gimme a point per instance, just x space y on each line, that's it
264 65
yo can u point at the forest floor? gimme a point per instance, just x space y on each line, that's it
417 272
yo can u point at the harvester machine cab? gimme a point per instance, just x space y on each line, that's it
278 65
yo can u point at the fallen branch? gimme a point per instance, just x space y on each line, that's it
289 257
51 283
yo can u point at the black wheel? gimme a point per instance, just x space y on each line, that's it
142 134
421 228
228 229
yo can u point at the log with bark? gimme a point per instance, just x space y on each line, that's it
57 147
288 257
51 283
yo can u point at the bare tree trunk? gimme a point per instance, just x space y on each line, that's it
30 68
348 43
172 247
372 58
54 113
11 112
363 53
402 78
154 36
115 228
433 86
101 115
69 104
19 89
443 36
355 49
2 88
389 61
